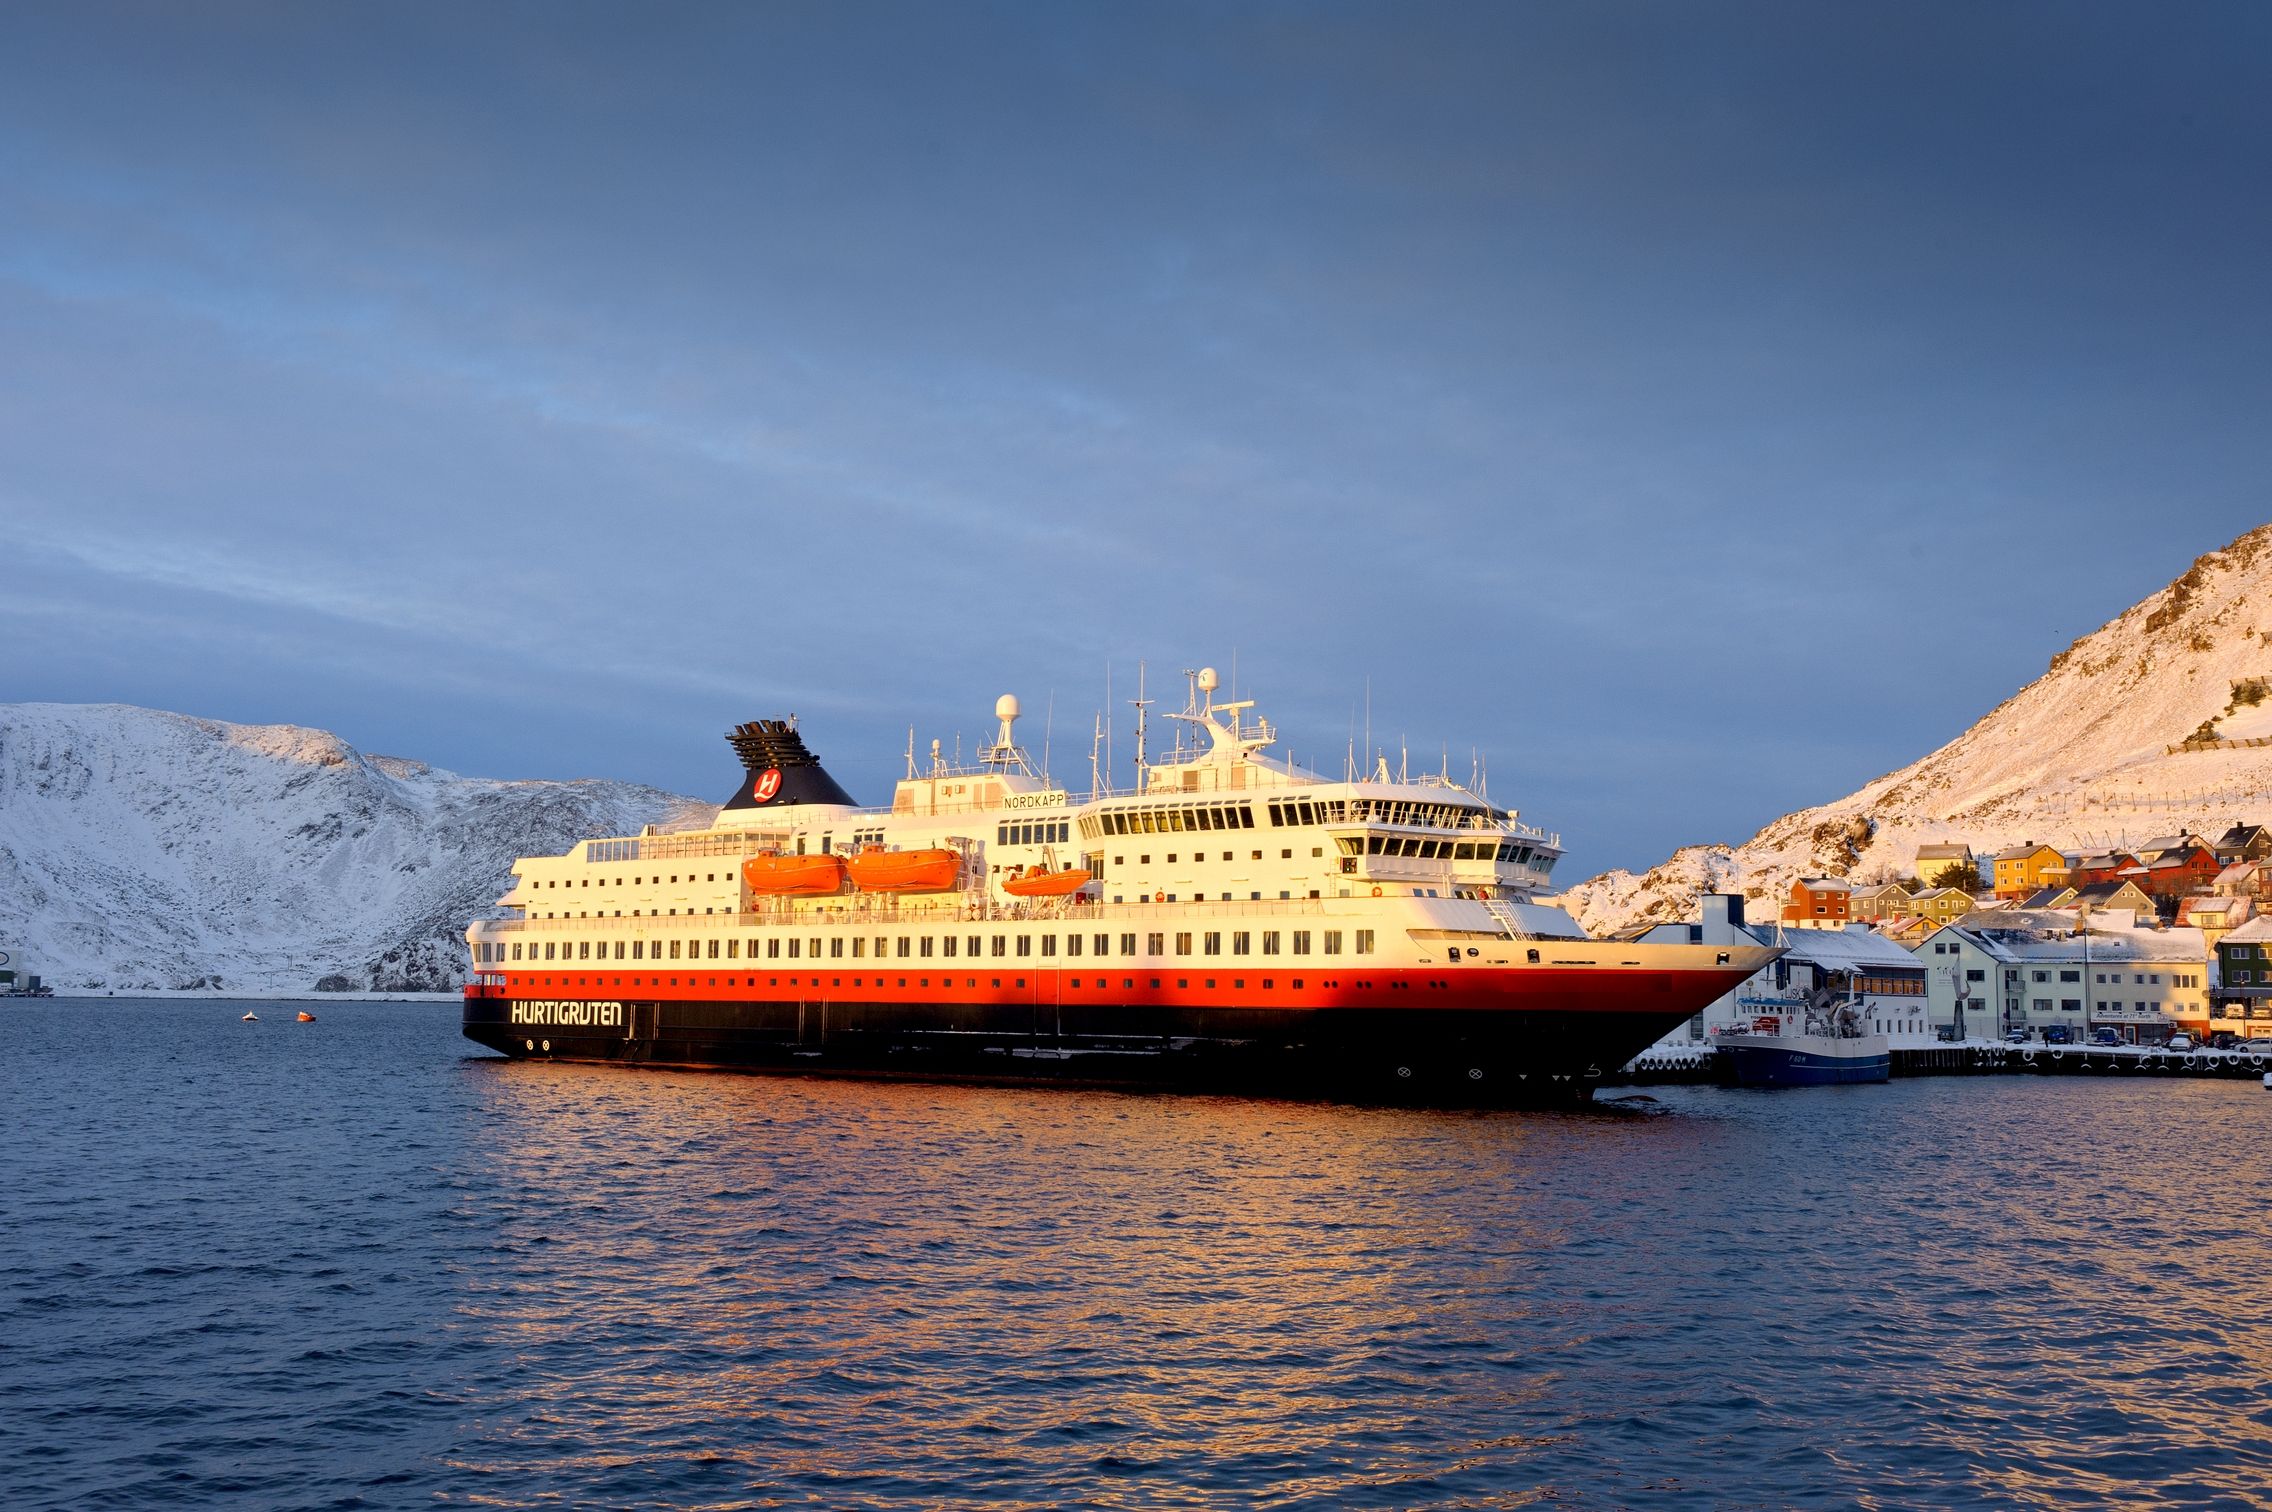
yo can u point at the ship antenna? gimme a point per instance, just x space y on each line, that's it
911 753
1096 773
1048 727
1142 703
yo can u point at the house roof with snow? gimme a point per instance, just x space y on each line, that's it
1851 949
2050 897
2031 938
1826 884
2256 931
1956 852
2221 907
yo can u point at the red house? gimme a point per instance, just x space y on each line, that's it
2179 872
1819 903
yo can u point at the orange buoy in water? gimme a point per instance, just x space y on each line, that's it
250 1018
306 1017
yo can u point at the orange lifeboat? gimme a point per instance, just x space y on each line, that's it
1034 882
777 875
904 871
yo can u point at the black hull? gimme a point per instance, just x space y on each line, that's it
1461 1056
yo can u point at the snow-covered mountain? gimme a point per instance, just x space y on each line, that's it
2135 731
143 850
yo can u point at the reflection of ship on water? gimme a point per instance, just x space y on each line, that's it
1231 921
1819 1039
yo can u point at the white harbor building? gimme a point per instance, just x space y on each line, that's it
1882 980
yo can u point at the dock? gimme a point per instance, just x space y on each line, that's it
1703 1064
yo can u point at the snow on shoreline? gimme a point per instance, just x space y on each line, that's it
150 852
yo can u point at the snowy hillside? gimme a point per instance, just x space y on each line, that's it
2134 731
147 850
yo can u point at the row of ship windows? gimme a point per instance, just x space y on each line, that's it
638 881
1441 850
1179 818
1208 942
1046 832
1238 984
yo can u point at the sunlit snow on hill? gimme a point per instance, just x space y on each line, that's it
2093 751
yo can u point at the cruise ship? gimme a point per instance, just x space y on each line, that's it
1234 923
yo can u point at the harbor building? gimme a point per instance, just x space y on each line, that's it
2243 1001
2032 971
1853 964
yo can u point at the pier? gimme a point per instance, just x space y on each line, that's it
1703 1064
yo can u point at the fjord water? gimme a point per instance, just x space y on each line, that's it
361 1263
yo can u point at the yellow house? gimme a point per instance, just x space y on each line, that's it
2022 871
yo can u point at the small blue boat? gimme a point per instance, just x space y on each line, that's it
1818 1045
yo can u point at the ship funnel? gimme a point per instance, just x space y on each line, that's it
777 770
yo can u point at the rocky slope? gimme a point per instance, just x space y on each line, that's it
145 850
2081 756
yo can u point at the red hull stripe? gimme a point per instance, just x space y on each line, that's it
1481 989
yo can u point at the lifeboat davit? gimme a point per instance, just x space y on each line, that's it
1037 883
782 876
904 871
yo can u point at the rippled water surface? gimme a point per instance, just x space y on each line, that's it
360 1263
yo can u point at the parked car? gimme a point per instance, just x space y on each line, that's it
2223 1039
2016 1037
2255 1046
2105 1037
2058 1034
2180 1042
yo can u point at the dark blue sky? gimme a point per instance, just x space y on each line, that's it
1700 409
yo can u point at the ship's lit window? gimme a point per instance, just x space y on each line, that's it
1212 943
1072 945
1001 945
1270 942
1048 945
1127 944
1365 943
1182 943
1154 945
1301 942
1239 939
